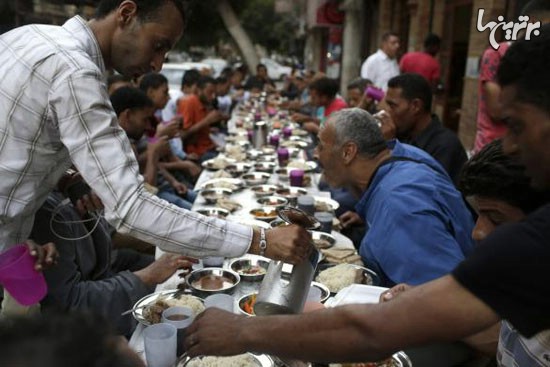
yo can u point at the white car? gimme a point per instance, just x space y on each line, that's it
275 70
217 65
174 73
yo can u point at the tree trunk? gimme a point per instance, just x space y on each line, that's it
238 33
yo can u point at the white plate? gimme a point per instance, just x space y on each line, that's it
150 299
235 183
332 204
356 293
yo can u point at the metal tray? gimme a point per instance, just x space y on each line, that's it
150 299
262 360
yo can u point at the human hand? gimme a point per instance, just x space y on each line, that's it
180 188
394 291
300 117
170 129
292 244
311 127
386 124
46 255
158 147
88 203
163 268
193 157
207 335
350 218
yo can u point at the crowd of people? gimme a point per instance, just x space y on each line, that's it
461 243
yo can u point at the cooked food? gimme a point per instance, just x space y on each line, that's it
339 277
321 206
242 360
228 204
390 362
259 213
153 312
222 185
212 282
217 163
299 164
251 270
248 304
221 174
321 243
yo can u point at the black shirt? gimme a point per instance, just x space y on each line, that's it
510 272
442 144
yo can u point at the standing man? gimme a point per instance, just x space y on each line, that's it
382 65
424 62
55 111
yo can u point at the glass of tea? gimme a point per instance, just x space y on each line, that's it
180 317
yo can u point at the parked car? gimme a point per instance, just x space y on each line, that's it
217 65
275 70
174 73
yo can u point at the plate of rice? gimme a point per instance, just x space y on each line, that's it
338 277
148 310
399 359
241 360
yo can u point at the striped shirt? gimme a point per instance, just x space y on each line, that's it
54 111
515 350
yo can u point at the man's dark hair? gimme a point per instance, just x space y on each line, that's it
413 86
495 175
359 83
525 66
432 40
147 10
117 78
152 81
325 87
221 80
190 78
60 340
129 98
386 36
203 80
535 8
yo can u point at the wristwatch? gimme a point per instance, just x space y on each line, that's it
263 242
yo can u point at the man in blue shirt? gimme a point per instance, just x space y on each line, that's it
418 226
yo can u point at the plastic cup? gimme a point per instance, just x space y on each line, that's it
274 140
18 276
287 132
221 301
283 155
307 204
374 93
213 261
180 318
296 177
160 341
325 218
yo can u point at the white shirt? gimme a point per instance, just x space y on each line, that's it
379 68
54 109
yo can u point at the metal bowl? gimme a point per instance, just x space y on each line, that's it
278 223
218 163
214 212
369 277
264 167
243 300
306 166
325 292
322 240
256 178
291 193
233 184
212 195
254 154
264 190
265 213
207 281
275 201
237 169
252 269
259 360
267 149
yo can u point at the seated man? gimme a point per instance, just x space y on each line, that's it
409 98
198 115
90 275
259 82
418 226
500 192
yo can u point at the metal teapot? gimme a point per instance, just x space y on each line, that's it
283 293
259 135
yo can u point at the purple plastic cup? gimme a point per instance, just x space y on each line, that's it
283 156
274 140
296 177
287 132
374 93
250 135
18 276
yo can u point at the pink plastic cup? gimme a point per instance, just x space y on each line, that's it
18 276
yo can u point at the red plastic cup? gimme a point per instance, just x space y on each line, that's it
18 276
